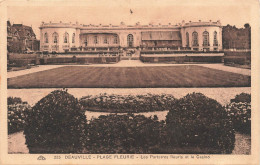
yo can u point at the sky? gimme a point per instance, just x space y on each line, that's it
116 11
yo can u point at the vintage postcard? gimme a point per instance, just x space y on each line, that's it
129 82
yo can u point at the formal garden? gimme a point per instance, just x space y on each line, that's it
194 124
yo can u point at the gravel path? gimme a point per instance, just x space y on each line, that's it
16 143
32 70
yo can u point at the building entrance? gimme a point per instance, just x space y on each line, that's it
130 40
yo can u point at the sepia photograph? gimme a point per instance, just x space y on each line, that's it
112 80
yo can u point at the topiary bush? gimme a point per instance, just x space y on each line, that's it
196 121
17 113
124 134
56 124
243 98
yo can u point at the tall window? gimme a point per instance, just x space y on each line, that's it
215 42
187 40
205 38
46 40
95 40
195 39
73 38
66 38
55 37
86 41
115 39
105 40
130 40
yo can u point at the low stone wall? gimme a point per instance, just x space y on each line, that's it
78 60
182 59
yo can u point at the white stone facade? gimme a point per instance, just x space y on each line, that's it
61 37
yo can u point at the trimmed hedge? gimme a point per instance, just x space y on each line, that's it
124 134
56 125
198 121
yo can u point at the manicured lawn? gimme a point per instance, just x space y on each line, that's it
130 77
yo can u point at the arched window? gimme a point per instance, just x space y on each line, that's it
205 38
195 39
66 37
215 42
95 40
105 40
187 40
130 40
55 37
115 39
46 40
73 38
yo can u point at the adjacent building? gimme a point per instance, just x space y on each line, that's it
21 38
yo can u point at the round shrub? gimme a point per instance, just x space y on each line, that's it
16 116
56 125
124 134
240 114
243 98
196 121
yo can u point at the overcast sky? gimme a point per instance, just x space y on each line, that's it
115 11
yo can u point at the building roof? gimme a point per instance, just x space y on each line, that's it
24 31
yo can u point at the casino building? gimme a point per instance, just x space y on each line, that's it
197 36
176 40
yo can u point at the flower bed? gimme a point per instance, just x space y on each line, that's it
240 114
17 112
194 124
128 103
239 111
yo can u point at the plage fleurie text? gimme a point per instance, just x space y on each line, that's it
125 156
